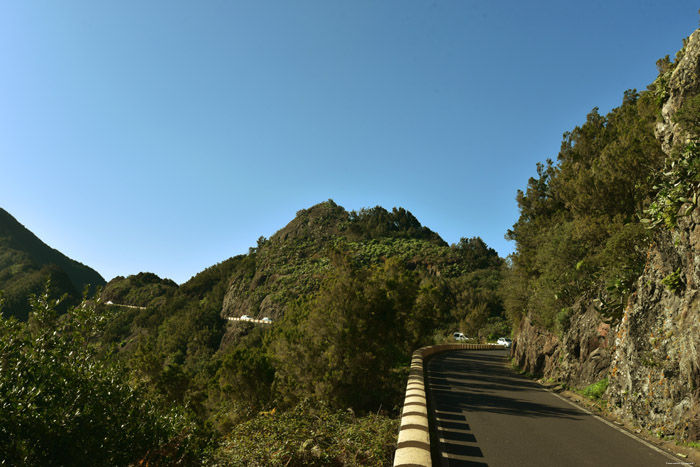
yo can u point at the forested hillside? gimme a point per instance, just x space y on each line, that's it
604 272
26 263
351 295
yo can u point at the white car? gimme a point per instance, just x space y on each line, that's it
505 342
266 320
460 336
244 318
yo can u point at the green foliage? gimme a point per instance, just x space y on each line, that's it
309 435
245 380
674 282
143 289
25 265
578 233
678 188
476 255
612 304
659 88
19 288
377 222
348 338
596 390
564 320
351 294
688 116
64 403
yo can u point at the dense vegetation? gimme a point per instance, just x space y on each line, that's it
351 295
584 226
66 402
25 265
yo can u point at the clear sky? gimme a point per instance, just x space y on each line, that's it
167 136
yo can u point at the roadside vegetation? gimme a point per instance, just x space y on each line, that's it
174 382
586 220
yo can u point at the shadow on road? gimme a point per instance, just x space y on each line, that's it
458 388
457 444
484 384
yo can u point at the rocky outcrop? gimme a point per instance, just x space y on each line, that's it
654 373
682 82
580 356
655 370
535 350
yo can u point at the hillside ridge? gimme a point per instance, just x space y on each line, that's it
26 262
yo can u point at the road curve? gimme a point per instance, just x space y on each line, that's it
484 414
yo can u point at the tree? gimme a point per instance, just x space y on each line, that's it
341 345
576 232
63 402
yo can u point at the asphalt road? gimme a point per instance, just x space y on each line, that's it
484 414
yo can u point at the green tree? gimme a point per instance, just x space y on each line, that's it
63 403
576 233
341 344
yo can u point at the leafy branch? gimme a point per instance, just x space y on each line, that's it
678 188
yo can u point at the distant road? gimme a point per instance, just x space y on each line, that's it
484 414
125 306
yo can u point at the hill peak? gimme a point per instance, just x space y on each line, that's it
329 219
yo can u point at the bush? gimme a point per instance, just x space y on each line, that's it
309 435
596 390
63 404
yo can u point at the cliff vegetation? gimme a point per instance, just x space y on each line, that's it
602 287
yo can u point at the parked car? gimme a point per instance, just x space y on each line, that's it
266 320
460 336
245 318
504 341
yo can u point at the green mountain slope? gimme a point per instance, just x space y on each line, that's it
374 281
351 295
26 263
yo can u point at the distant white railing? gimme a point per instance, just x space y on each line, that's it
250 320
110 303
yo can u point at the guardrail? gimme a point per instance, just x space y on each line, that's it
413 445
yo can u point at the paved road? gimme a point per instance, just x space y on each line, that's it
486 415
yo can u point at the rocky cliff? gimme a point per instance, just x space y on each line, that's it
655 366
651 356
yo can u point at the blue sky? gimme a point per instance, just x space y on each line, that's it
167 136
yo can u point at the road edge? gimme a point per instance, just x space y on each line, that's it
681 455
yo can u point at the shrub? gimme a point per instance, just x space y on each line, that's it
63 403
309 435
595 390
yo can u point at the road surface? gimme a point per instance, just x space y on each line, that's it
484 414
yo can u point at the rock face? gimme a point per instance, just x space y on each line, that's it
654 373
577 358
655 369
652 356
683 82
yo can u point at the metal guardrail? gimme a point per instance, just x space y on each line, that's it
413 445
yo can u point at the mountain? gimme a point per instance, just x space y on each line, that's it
26 263
350 294
293 261
375 280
